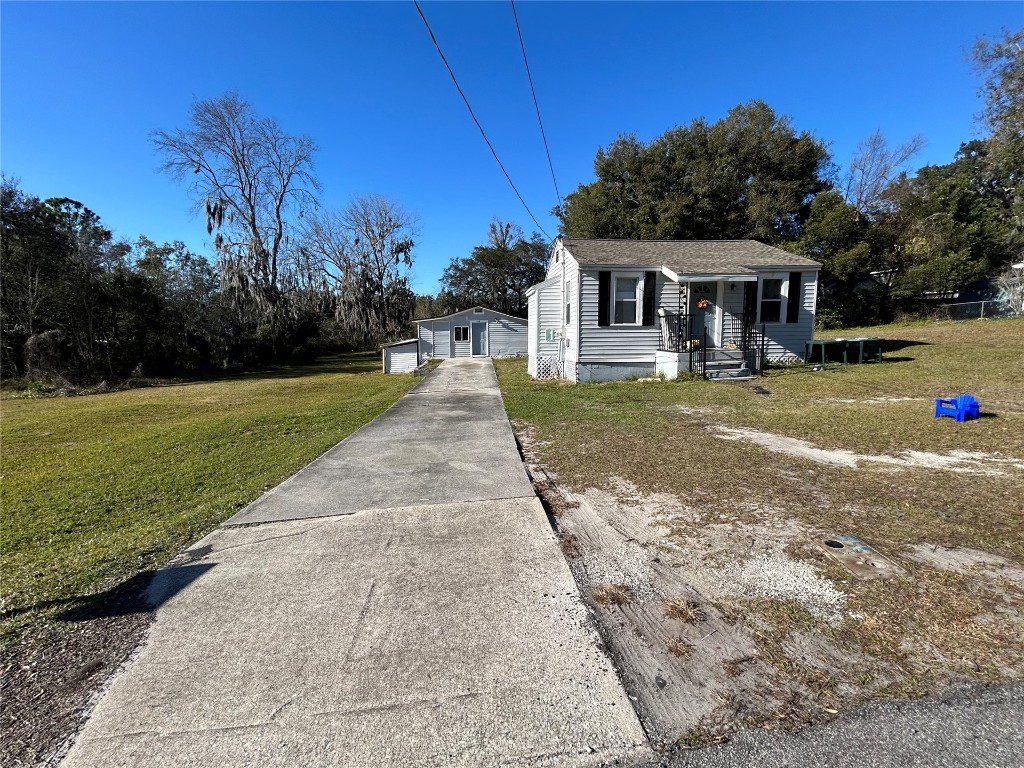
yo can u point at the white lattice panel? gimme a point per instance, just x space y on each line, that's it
549 368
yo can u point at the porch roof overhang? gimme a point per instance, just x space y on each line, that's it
736 276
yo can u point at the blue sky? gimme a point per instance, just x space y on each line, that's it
83 84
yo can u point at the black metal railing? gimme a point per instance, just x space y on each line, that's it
678 334
699 356
676 331
755 349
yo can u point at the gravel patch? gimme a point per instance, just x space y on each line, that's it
625 565
778 577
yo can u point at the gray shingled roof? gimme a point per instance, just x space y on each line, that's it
686 257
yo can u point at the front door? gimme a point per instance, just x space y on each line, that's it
704 308
479 332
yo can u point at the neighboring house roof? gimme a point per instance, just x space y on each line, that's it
400 343
468 309
689 257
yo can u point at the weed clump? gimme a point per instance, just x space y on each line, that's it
612 594
689 611
679 646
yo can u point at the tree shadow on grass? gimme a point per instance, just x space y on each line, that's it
349 362
144 592
354 362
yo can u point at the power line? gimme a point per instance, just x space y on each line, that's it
475 120
536 105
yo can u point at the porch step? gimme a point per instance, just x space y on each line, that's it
732 373
725 354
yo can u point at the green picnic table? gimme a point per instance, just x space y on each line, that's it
866 348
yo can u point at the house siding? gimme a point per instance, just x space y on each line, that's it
732 320
618 344
441 335
571 328
590 351
533 318
506 336
426 336
786 341
550 300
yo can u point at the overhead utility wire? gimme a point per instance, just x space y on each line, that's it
475 120
536 105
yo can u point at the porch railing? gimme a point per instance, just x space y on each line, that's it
755 351
676 331
678 334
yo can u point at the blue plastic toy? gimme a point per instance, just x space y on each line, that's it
961 408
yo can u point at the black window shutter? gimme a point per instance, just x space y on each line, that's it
650 286
604 298
796 298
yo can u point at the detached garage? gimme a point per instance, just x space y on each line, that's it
476 332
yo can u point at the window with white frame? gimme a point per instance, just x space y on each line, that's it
462 333
627 290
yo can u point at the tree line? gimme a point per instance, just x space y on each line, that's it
887 239
288 280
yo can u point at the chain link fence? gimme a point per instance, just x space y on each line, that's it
968 310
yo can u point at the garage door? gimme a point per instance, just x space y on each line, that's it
443 339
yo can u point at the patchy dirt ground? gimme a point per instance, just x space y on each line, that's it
52 677
720 621
968 462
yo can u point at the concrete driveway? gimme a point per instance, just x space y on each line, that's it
447 441
402 601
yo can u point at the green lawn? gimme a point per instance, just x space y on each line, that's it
97 489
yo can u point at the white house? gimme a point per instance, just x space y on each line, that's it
615 309
474 332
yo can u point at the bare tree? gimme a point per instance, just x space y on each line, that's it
873 168
376 297
251 178
326 245
1011 285
364 253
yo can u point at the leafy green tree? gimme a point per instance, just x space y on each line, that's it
956 224
496 274
192 329
750 175
426 306
1001 61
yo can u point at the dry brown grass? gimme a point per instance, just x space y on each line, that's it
679 646
612 595
689 611
555 502
903 636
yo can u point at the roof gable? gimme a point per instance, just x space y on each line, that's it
469 310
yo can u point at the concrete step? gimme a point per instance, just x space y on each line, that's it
725 354
731 374
726 364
